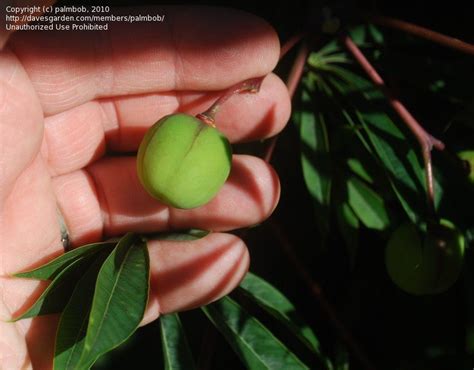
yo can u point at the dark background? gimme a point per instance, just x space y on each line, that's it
395 330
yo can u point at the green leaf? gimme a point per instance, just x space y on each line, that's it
120 298
73 323
251 340
367 204
316 163
358 34
375 33
398 153
57 294
183 235
280 307
401 161
365 143
359 169
50 270
176 352
341 358
330 48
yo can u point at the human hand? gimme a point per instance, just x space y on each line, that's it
69 100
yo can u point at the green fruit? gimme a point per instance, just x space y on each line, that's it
425 265
183 162
468 155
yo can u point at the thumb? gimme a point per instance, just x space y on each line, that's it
21 122
13 350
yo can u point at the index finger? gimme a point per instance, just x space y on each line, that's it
194 48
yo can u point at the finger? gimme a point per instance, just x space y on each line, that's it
77 137
199 48
21 122
108 199
40 340
13 352
186 275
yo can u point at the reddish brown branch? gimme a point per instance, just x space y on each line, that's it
292 83
290 43
422 32
426 141
318 295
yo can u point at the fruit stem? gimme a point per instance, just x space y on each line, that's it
251 85
426 140
419 31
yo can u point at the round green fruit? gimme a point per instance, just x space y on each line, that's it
427 264
183 162
468 156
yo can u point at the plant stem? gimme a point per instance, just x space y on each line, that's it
318 295
290 43
292 83
426 140
251 85
422 32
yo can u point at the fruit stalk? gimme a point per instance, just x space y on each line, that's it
251 85
290 43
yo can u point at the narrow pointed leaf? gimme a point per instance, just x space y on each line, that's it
401 161
365 143
341 358
359 169
397 153
315 162
280 307
316 147
329 48
358 34
74 319
367 204
50 270
57 294
256 346
120 298
376 34
364 105
176 352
